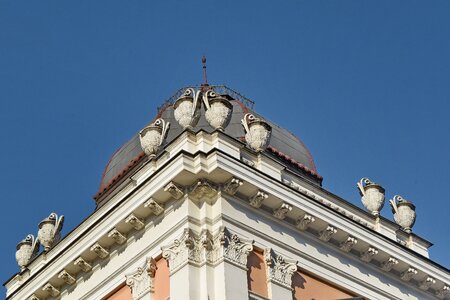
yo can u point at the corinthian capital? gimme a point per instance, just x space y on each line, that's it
188 248
236 249
279 269
141 281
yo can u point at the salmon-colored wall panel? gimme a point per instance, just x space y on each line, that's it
162 280
307 287
257 274
124 293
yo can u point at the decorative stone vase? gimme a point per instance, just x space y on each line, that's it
26 250
218 110
153 136
187 108
372 195
404 213
50 230
257 132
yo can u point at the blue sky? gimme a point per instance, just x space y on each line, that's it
364 84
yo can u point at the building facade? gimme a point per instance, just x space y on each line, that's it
213 201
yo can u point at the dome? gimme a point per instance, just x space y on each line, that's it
283 145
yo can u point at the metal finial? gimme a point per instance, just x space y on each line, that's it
205 78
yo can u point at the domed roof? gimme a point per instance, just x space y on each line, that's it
283 145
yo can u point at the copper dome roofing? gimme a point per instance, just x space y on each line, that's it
283 145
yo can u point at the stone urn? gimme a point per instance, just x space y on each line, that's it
257 132
372 195
26 250
153 136
187 108
50 230
404 213
218 110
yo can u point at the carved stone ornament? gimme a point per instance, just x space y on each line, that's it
257 132
154 207
281 212
326 234
232 185
26 250
51 290
348 244
135 222
389 264
141 282
203 189
50 230
33 297
372 195
153 136
257 199
279 269
187 108
117 236
367 255
218 110
174 190
443 292
66 277
100 251
82 264
236 249
186 249
408 274
404 213
303 222
427 283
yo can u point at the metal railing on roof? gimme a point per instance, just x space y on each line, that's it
219 89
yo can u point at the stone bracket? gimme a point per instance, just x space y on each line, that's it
135 222
154 207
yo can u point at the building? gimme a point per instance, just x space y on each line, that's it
212 201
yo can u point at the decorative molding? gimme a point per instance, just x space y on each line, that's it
279 269
66 277
141 282
326 234
203 189
174 190
427 283
408 274
232 185
135 222
51 290
303 222
33 297
257 199
389 264
348 244
117 236
367 255
186 249
280 212
99 251
443 292
154 207
82 264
